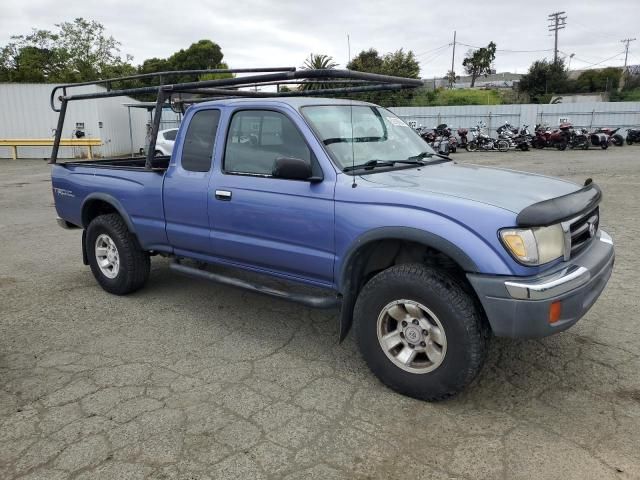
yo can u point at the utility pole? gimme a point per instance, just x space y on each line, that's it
453 61
626 41
557 22
453 56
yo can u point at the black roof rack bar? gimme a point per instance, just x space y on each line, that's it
227 92
161 76
254 79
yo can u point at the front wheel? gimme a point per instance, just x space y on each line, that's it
419 332
629 141
618 140
115 258
604 145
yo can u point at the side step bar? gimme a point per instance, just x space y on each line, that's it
308 300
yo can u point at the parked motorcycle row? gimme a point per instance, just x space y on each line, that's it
443 140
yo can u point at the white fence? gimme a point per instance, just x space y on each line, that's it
589 115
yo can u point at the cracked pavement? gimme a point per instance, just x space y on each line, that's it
190 380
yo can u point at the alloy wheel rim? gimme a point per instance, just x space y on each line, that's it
107 256
411 336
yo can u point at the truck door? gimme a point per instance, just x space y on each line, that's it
186 184
278 225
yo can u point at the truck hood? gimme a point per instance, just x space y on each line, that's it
507 189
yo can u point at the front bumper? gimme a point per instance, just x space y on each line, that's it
518 307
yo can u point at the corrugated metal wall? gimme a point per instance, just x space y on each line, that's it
25 113
588 114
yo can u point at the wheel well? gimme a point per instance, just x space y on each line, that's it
382 254
379 255
94 208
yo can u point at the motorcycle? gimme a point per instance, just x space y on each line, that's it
633 135
439 138
579 138
482 141
444 136
545 137
509 133
462 133
615 138
600 139
523 138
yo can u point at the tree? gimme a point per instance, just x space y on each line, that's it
600 80
201 55
367 61
478 62
317 62
543 78
78 51
451 78
398 63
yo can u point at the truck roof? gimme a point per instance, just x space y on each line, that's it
295 102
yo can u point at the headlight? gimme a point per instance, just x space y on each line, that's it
534 246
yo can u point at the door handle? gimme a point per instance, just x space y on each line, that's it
223 195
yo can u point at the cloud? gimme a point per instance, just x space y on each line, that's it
282 33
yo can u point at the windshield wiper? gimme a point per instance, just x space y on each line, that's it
371 164
423 155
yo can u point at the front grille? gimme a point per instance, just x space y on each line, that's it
582 230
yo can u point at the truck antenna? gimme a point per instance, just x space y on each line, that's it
353 147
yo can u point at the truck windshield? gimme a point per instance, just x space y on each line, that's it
358 134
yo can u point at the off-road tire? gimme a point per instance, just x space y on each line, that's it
466 329
134 262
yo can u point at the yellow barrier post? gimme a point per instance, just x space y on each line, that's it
14 143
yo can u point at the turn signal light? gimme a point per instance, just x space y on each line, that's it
555 310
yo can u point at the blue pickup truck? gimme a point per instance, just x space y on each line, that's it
426 257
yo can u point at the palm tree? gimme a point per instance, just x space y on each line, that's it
317 62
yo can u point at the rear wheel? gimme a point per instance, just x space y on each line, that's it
420 332
629 141
604 145
115 258
502 145
472 146
618 140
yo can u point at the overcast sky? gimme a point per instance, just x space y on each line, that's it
256 33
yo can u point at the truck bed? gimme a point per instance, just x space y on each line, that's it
160 163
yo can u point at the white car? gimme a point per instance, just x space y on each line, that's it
165 141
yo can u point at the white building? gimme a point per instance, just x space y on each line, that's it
25 113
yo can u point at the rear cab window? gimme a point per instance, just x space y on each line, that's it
199 141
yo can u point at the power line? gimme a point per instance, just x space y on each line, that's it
558 22
432 58
433 49
598 63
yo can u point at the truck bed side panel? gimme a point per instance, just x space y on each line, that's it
135 193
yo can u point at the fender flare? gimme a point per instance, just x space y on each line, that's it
104 197
349 291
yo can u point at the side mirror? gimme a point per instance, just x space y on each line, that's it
293 169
